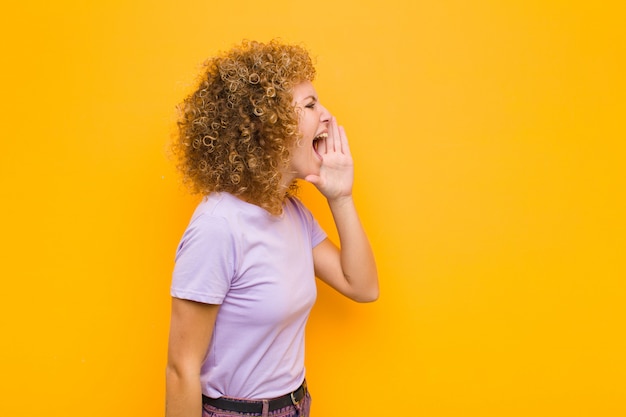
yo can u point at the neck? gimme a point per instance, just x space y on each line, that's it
286 180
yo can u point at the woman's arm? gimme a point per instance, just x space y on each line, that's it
191 328
350 270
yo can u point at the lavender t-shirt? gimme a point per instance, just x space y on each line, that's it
259 268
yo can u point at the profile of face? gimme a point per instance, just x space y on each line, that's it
313 122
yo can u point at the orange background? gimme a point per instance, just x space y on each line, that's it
489 141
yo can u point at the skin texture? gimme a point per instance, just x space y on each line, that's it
350 270
313 120
191 327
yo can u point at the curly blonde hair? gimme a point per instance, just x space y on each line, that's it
235 131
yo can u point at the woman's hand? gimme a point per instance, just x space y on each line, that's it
350 268
337 172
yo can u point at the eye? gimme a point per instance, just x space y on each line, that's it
311 105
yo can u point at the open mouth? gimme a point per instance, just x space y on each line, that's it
317 140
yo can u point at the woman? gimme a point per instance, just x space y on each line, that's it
243 284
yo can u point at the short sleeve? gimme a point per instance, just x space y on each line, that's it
314 229
205 261
317 233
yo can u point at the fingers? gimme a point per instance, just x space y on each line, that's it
334 136
338 141
344 141
313 179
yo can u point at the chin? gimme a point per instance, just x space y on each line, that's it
315 171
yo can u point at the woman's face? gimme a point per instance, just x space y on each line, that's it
313 119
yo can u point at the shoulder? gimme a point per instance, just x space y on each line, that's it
211 219
210 230
296 205
300 213
221 207
223 213
217 205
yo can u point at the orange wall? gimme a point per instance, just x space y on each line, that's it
489 140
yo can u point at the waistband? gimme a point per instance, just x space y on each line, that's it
256 406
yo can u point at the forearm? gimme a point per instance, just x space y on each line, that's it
357 258
183 396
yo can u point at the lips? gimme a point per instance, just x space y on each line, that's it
317 140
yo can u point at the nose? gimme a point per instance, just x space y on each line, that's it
324 114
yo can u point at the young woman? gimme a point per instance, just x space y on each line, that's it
244 280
